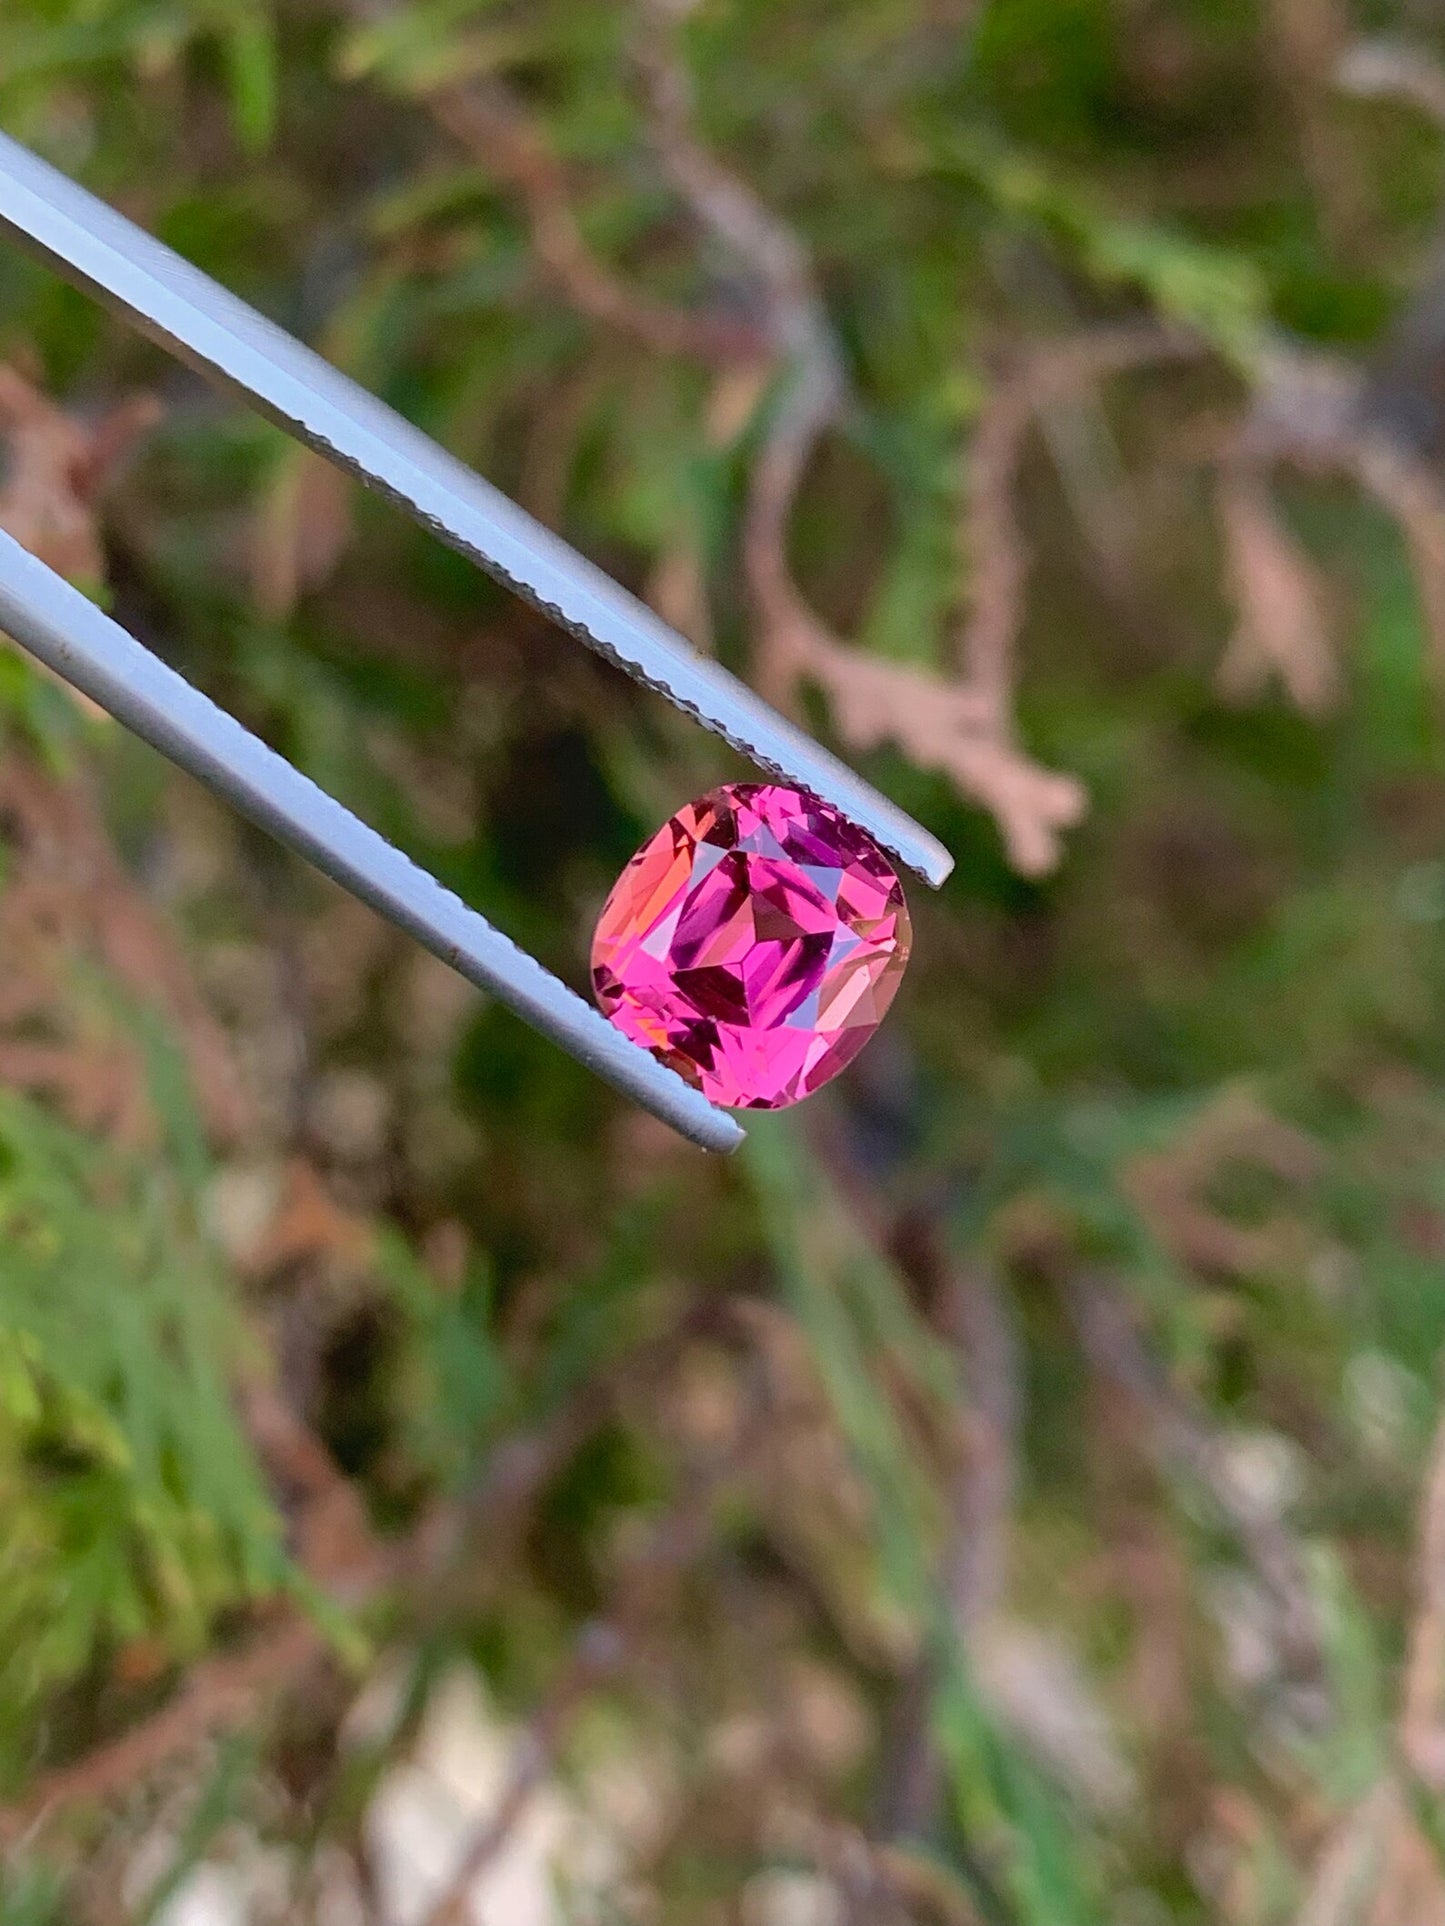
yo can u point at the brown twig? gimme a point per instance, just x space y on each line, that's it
1032 805
993 545
1183 1443
490 123
924 1888
603 1647
966 728
334 1542
595 1658
1306 39
980 1500
341 1555
981 1455
975 1316
218 1694
1374 1864
486 118
68 894
1350 1864
1322 418
723 205
939 724
1422 1710
962 728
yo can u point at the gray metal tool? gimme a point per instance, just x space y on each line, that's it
182 309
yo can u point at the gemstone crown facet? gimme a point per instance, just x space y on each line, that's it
753 944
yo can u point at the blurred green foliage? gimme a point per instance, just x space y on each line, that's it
1198 1069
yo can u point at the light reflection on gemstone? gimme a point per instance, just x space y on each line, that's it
754 944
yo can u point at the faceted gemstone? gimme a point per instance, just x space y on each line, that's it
753 944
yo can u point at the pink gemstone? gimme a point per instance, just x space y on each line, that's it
754 944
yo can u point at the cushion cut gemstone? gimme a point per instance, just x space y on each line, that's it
754 944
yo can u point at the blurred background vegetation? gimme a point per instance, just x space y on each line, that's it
1009 1493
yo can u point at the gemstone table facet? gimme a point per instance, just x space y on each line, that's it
753 944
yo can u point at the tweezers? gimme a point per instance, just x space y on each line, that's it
218 335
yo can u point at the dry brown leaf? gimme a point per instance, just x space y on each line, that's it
57 467
938 725
944 725
963 726
1315 415
302 529
1281 600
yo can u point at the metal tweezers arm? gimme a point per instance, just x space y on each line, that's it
66 631
213 331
